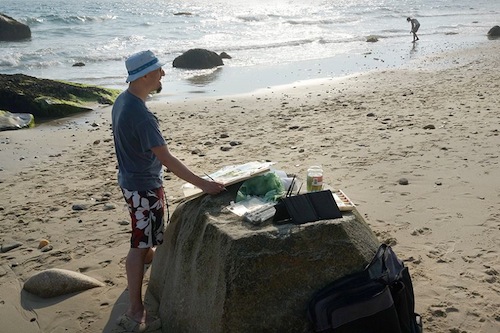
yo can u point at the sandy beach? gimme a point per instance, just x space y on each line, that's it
436 126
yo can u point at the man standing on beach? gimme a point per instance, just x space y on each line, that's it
141 151
414 27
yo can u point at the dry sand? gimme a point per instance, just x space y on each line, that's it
439 129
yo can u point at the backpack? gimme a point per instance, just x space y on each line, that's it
378 299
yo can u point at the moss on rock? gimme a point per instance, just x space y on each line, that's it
45 98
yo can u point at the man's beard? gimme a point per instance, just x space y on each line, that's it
158 90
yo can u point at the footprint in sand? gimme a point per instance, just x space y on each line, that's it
421 231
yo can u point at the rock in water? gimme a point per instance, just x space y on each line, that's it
56 282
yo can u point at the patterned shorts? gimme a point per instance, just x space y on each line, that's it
147 212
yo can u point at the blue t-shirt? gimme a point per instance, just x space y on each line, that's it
135 132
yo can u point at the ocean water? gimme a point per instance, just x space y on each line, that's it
271 42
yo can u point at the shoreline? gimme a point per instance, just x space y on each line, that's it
367 131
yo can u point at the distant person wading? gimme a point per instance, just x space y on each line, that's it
414 28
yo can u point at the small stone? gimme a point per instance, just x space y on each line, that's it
96 142
46 248
430 126
371 114
225 148
79 207
43 242
224 135
8 247
403 181
123 222
109 206
234 143
438 183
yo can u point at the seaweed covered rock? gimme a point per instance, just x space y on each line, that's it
45 98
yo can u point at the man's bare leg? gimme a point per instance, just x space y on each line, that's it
135 274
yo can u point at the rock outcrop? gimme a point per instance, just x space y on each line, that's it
48 98
12 30
215 273
198 59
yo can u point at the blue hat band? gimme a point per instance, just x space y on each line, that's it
137 70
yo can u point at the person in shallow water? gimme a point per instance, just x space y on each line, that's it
141 151
414 27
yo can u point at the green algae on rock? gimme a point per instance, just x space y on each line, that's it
46 98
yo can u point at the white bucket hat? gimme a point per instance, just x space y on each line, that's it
140 64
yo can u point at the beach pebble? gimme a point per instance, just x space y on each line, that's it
403 181
225 148
109 206
47 248
429 126
11 246
123 222
56 282
79 207
43 243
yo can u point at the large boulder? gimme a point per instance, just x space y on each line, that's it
12 30
215 273
198 59
494 32
57 282
48 98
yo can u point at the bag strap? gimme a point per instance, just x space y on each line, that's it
385 266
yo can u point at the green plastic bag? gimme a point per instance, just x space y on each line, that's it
267 186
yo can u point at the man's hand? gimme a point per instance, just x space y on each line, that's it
211 187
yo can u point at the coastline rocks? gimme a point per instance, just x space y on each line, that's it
45 98
56 282
216 273
12 30
494 32
198 59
